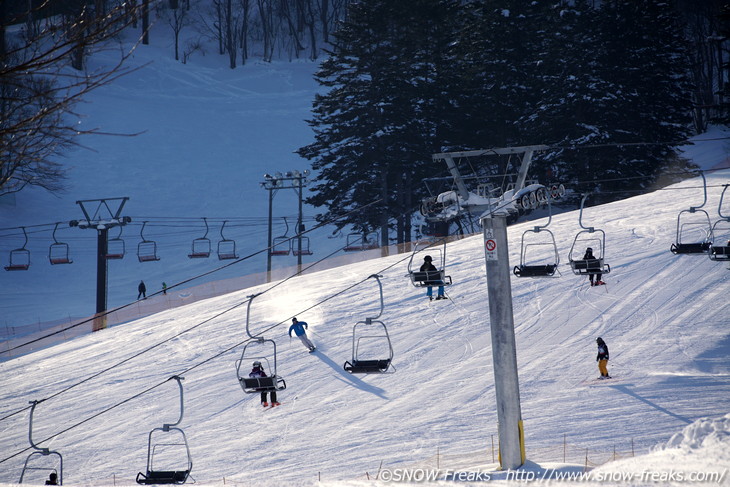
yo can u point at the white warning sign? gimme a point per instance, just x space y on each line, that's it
490 245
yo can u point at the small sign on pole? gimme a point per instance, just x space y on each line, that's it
490 245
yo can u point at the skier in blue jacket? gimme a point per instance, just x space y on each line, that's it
298 328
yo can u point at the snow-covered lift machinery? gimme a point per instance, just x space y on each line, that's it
20 257
55 468
169 443
721 233
694 229
258 349
588 237
516 198
146 249
372 350
58 252
437 253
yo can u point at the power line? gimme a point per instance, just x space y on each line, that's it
199 364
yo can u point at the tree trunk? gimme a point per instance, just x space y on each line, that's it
230 41
145 22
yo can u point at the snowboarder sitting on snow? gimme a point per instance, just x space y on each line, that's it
589 256
428 267
602 358
258 371
298 328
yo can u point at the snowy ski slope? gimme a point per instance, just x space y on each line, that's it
664 317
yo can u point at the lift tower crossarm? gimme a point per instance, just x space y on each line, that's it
449 157
102 226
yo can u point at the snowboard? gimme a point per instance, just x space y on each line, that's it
601 382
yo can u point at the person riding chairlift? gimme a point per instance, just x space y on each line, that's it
258 371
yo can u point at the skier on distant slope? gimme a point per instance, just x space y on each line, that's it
142 290
298 328
602 358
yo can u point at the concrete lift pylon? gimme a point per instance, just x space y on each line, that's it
501 316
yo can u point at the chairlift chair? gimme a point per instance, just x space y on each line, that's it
372 349
353 242
20 257
694 229
371 242
115 247
539 253
360 241
146 249
281 245
58 252
721 233
42 452
421 278
173 472
226 247
260 349
201 246
305 246
588 237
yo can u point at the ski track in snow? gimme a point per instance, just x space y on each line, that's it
663 316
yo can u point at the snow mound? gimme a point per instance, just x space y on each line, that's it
703 433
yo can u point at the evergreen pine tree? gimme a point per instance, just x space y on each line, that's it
378 123
620 77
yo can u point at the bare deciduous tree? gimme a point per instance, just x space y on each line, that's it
39 90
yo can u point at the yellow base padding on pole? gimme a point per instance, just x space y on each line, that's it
521 428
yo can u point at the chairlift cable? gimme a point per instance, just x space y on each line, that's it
220 219
178 334
199 364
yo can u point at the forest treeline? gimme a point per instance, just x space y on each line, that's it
612 86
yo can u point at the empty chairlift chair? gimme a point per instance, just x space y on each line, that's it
720 248
539 252
694 229
146 249
201 246
261 350
168 453
357 242
281 245
588 237
58 252
41 454
372 350
20 257
305 250
115 247
226 247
